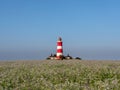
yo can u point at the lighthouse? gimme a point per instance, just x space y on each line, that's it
59 54
59 48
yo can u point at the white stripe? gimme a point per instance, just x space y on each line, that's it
59 54
59 41
59 47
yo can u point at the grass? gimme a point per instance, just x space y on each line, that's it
60 75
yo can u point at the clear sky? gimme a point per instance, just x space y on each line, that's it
29 28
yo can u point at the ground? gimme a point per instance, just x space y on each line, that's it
60 75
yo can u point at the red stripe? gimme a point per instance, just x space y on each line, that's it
59 43
59 50
58 57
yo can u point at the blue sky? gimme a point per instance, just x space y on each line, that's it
29 28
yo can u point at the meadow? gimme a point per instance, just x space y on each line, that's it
60 75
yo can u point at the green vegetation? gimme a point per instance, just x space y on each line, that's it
60 75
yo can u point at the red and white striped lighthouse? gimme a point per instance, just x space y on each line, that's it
59 48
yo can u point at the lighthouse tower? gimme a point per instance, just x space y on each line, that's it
59 48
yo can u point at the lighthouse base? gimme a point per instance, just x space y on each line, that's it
68 57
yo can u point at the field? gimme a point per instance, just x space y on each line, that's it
60 75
